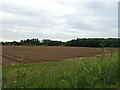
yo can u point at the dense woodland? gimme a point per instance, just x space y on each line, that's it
84 42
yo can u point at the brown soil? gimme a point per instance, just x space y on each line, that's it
37 54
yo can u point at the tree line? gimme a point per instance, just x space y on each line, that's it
35 42
84 42
94 42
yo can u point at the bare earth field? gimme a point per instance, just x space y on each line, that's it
37 54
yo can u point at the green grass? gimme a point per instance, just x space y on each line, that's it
92 72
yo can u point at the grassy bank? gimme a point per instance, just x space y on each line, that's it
92 72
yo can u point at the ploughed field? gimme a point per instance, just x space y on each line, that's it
38 54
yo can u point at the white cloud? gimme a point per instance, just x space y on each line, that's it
58 19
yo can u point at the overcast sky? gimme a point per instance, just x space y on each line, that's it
58 19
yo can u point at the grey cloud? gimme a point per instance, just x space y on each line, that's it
105 14
20 35
74 25
12 35
27 16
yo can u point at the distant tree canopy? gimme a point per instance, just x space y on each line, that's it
84 42
30 42
94 42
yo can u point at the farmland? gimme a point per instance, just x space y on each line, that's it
64 67
36 54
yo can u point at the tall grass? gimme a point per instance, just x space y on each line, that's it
90 72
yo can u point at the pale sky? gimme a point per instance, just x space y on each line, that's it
58 19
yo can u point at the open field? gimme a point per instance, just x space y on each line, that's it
87 72
98 67
36 54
